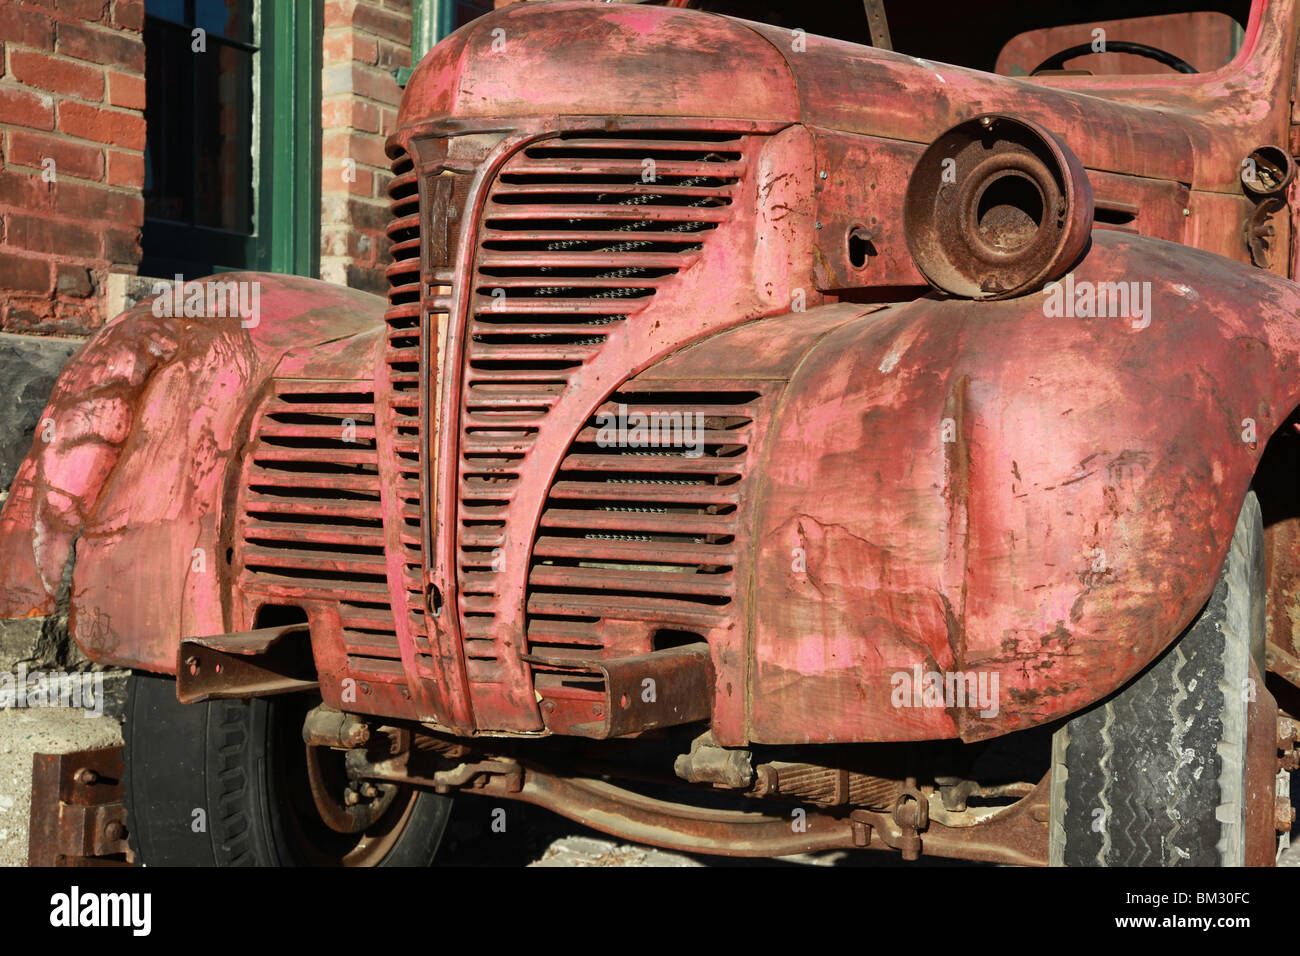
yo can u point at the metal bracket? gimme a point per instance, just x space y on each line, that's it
878 24
662 689
252 664
1259 230
78 818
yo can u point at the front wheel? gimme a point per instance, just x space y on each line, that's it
231 783
1156 774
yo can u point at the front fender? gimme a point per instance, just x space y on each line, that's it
1042 503
146 422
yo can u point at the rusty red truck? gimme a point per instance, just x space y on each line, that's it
872 430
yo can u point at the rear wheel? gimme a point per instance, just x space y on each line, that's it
231 783
1156 775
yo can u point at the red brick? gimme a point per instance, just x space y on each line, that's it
73 280
364 49
115 48
336 46
42 234
125 169
26 25
393 55
371 217
126 91
364 149
57 75
24 108
376 85
83 201
24 190
70 159
368 150
24 273
350 113
91 10
128 14
336 112
103 126
367 249
339 12
364 185
383 23
122 247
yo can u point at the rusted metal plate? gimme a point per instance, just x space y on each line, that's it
77 814
1007 453
663 689
273 660
1261 773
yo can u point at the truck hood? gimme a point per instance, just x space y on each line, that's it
543 59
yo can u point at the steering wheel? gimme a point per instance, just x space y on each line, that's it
1057 61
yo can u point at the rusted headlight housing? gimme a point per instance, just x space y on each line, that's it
997 207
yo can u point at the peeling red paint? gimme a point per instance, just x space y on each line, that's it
928 482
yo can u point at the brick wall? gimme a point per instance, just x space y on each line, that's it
364 41
72 145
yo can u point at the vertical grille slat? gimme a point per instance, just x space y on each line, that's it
405 362
415 316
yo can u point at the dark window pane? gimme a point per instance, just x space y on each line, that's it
199 127
169 148
167 9
223 115
228 18
467 11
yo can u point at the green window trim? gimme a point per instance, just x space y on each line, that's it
430 22
289 204
283 183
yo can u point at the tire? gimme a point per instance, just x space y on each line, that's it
221 783
1156 774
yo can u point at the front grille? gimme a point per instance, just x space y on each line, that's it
578 234
636 549
311 525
